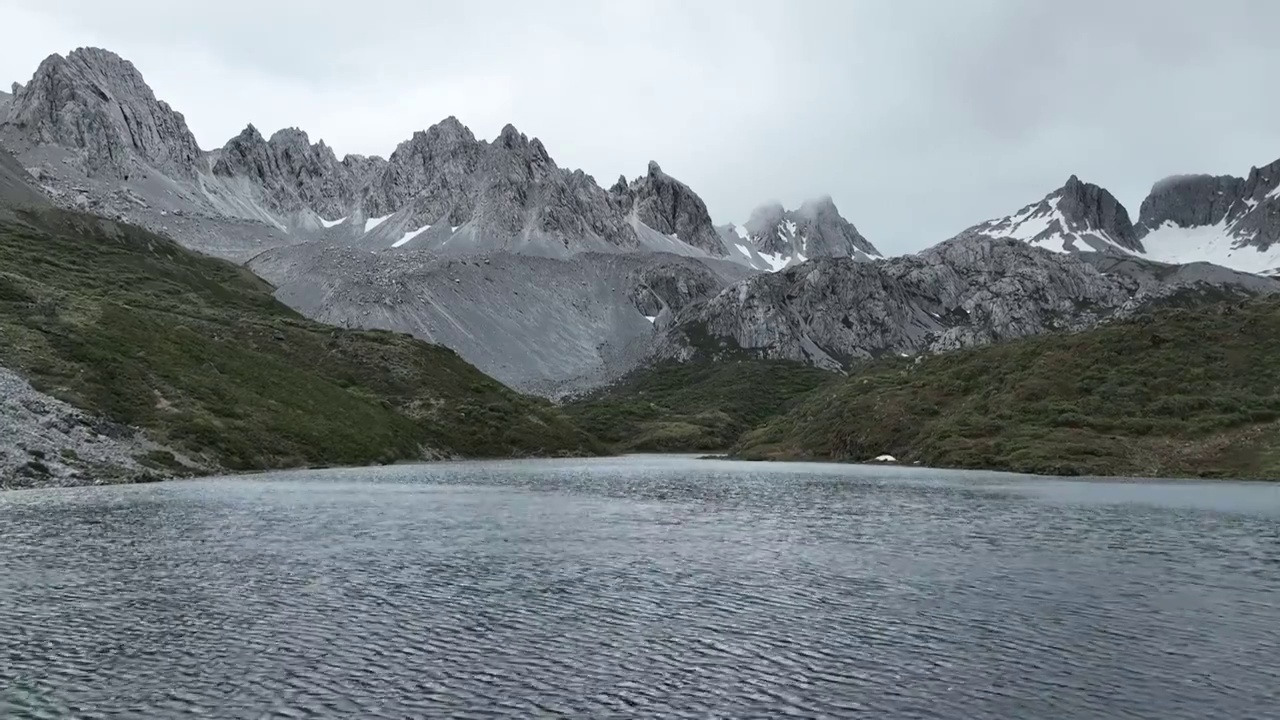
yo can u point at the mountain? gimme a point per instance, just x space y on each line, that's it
189 362
1168 392
97 102
1077 217
1225 220
540 324
972 290
662 203
412 230
537 274
293 175
97 135
774 237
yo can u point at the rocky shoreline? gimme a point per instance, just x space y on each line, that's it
44 442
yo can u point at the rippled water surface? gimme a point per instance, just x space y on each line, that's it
641 587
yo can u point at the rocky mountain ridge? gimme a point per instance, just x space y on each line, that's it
1224 220
97 136
972 290
491 248
1077 217
785 237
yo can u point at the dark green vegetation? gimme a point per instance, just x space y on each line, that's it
131 326
1183 391
693 407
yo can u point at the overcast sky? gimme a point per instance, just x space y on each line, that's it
919 117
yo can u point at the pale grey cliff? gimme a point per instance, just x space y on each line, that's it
967 291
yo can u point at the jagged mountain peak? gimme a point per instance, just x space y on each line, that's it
450 128
670 207
816 229
1077 217
817 207
292 135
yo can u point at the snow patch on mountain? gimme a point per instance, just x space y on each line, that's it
332 223
411 235
775 238
1214 244
1078 217
372 223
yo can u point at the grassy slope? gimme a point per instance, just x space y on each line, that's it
128 324
695 407
1178 392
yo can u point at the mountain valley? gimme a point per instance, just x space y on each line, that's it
301 277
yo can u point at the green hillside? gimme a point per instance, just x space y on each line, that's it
1176 392
195 350
693 407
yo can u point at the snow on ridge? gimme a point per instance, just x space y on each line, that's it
776 262
410 235
372 223
332 223
1034 225
1214 244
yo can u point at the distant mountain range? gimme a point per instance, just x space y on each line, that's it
1228 221
553 283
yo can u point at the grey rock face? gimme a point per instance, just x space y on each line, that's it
814 230
5 100
97 103
669 287
670 207
1077 217
1247 209
1189 200
967 291
364 169
45 442
1089 207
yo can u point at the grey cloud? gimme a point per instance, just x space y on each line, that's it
919 117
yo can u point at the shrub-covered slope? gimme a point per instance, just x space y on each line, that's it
676 407
1190 391
129 325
